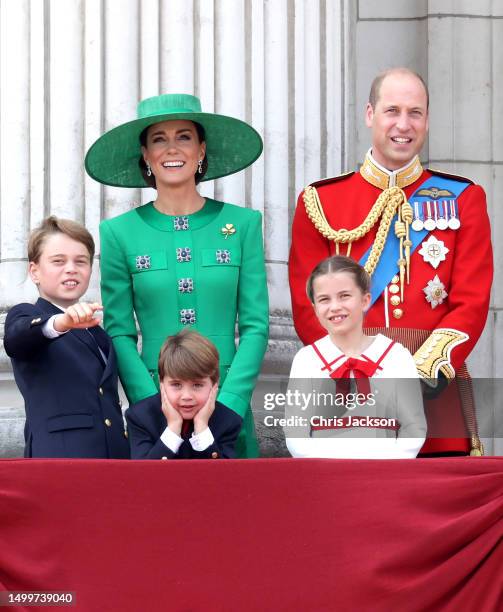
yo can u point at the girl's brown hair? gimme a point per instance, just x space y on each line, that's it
339 263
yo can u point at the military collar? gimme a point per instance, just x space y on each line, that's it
377 175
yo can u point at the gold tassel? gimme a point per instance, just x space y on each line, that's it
401 263
477 449
407 216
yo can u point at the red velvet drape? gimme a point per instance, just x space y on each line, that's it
278 534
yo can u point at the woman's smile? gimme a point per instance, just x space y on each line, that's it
173 152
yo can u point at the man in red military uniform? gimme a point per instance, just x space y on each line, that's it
431 271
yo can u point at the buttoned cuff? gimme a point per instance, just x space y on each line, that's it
202 440
171 440
48 329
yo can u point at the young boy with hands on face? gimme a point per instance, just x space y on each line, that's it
64 363
184 420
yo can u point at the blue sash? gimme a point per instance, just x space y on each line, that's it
387 266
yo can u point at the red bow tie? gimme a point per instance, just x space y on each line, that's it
362 370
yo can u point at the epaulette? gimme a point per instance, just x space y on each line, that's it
454 177
332 179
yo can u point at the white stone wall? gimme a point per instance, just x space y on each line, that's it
298 70
81 66
71 69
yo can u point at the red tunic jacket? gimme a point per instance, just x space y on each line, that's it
466 272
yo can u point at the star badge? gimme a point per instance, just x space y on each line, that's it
433 251
228 230
435 292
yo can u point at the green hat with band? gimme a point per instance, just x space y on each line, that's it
231 144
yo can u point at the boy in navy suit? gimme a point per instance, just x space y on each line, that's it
184 421
64 363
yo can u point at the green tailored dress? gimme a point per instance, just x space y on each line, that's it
205 270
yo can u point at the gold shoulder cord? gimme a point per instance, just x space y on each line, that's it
390 202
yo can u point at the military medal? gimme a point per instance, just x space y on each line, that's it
433 251
441 215
454 223
429 224
435 292
417 224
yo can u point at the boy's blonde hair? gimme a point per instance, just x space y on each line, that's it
53 225
188 355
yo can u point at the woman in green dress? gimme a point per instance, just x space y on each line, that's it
183 260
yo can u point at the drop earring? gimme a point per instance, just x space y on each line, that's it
149 169
200 166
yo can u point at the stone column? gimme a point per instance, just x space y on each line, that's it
15 145
15 142
71 69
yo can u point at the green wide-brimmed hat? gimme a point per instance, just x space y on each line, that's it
231 144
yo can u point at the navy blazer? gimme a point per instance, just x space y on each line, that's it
71 399
146 422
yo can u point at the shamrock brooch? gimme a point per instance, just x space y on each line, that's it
228 230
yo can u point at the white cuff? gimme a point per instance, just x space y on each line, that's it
48 328
171 440
202 440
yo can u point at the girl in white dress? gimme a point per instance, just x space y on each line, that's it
387 421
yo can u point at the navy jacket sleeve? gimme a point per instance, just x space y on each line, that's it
23 331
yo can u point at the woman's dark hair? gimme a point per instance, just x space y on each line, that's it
150 180
339 263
